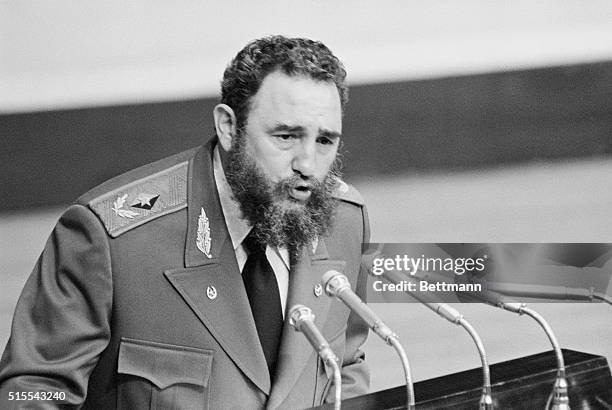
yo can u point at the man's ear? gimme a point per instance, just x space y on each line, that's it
225 125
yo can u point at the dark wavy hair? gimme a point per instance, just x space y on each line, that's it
292 56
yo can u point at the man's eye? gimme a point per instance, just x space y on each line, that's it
285 137
325 141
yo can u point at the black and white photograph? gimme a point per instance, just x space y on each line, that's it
306 204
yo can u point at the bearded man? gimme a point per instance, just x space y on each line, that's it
169 286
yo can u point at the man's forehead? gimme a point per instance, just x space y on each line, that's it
290 98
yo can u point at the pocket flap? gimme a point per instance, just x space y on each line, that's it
164 364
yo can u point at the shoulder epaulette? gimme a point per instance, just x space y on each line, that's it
142 200
348 193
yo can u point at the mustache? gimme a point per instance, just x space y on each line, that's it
295 181
316 186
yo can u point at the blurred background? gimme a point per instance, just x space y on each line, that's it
472 121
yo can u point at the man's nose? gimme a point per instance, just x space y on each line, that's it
304 159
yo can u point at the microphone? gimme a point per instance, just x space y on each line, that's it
548 292
452 315
302 319
336 284
559 399
559 396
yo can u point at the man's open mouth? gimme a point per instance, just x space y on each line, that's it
301 192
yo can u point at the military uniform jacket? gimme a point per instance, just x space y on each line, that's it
137 302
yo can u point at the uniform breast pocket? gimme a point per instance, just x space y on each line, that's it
162 376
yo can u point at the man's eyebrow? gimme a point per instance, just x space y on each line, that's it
329 134
282 127
286 127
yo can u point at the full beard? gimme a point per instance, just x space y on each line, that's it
278 219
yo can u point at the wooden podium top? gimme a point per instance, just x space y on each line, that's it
524 383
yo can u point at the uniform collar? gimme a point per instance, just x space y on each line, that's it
206 224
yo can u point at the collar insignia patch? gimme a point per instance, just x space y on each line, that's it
203 240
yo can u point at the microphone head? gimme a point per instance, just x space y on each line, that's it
334 282
299 313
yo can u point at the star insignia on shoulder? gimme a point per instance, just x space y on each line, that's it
145 201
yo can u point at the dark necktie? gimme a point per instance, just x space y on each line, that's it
262 290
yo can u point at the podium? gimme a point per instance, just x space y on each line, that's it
524 383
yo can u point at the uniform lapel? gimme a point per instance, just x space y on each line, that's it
211 285
295 351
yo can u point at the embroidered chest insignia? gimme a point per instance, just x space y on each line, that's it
203 240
